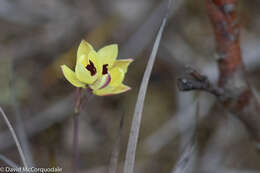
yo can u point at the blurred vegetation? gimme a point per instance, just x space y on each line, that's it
38 36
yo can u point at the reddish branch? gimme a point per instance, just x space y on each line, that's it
236 94
223 17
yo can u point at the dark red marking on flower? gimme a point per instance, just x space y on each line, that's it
104 71
91 68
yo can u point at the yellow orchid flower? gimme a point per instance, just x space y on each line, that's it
100 70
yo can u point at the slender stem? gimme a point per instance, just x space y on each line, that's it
77 110
75 142
14 137
76 130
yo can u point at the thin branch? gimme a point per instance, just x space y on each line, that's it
239 101
193 80
136 122
8 161
14 137
57 112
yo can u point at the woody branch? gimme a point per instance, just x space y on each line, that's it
233 90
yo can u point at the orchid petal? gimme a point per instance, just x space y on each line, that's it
71 76
84 75
93 57
84 49
117 76
101 82
110 90
123 64
108 54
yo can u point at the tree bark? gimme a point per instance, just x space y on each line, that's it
242 102
233 90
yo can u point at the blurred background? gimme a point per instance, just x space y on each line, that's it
36 37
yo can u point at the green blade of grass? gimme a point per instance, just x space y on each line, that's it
136 122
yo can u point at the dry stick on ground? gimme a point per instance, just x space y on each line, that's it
235 92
